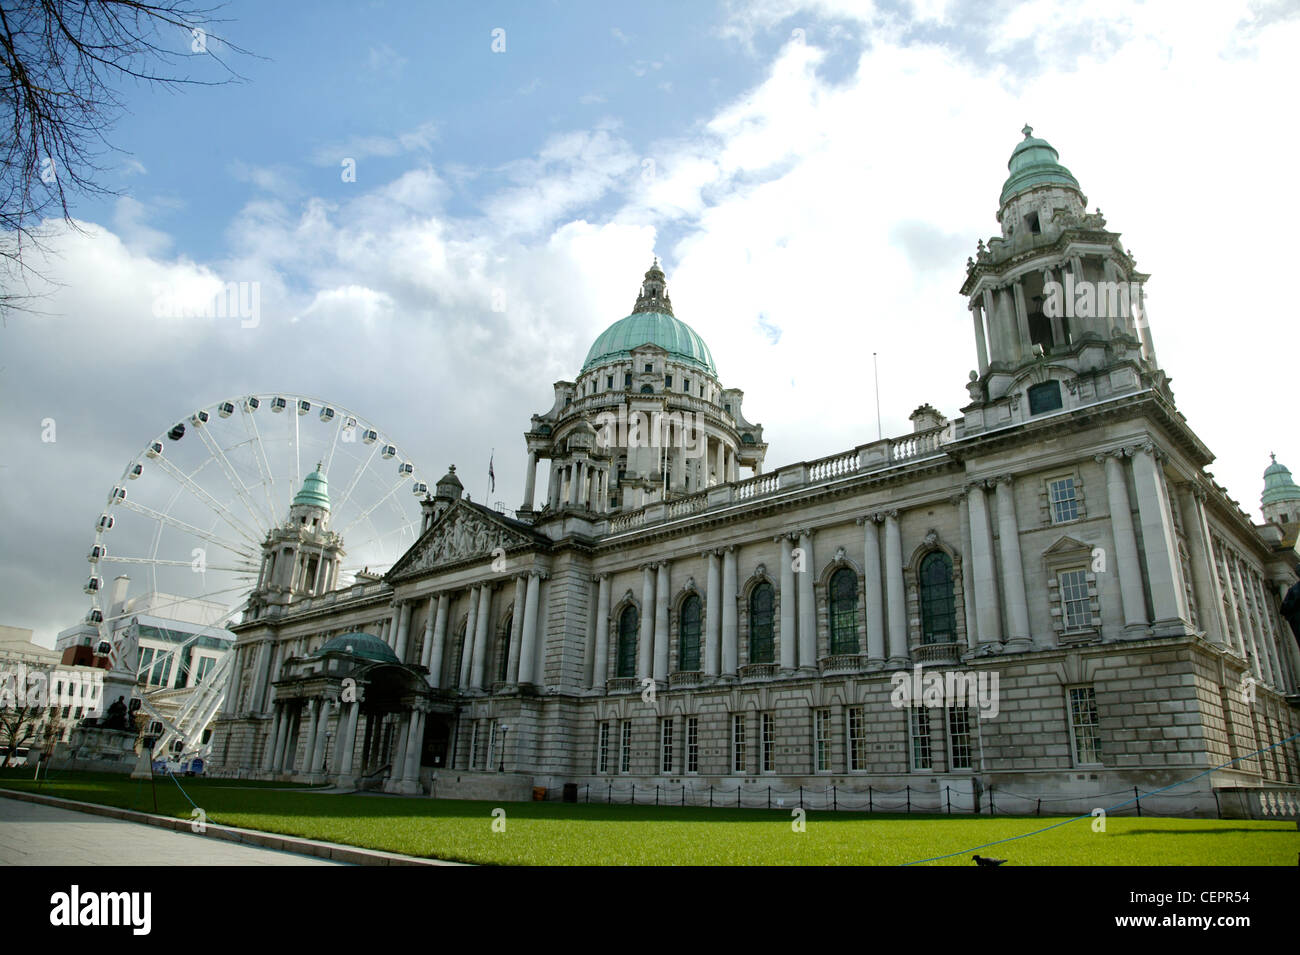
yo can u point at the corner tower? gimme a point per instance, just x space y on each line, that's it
301 557
1058 303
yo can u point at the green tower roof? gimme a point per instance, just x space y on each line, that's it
650 328
1034 163
1278 484
315 491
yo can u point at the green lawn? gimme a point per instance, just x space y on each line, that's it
556 833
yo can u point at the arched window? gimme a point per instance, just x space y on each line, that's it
761 644
844 611
503 665
628 621
938 608
688 635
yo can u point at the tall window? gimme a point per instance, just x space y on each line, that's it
959 737
1076 606
844 611
602 751
857 739
938 612
146 661
503 665
1063 500
473 745
625 748
628 621
666 745
1084 725
738 742
688 635
760 624
769 743
822 740
920 737
489 755
692 744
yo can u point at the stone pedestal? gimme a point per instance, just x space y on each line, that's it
97 749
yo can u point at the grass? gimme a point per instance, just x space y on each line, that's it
582 834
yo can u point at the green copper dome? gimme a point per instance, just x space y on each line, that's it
364 645
1278 484
650 328
1034 163
315 491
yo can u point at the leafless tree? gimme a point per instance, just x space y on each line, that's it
64 62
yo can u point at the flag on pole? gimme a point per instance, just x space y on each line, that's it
492 478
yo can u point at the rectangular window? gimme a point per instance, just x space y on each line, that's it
146 661
602 751
668 381
857 739
666 745
1084 725
769 743
609 382
625 749
822 740
489 754
473 745
686 387
959 737
1063 499
737 743
920 737
1076 606
205 664
692 744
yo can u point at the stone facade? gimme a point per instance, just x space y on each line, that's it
664 622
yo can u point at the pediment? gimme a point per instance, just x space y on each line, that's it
463 533
1067 546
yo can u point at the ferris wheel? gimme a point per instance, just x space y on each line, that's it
187 521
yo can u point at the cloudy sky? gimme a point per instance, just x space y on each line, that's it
813 176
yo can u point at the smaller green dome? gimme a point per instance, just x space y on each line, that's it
315 491
364 645
1034 163
1278 484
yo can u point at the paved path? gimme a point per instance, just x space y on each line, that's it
32 834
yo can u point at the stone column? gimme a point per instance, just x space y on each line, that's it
530 480
662 593
1168 598
981 347
600 664
517 628
439 640
807 605
1257 662
1058 329
1267 634
263 665
875 597
713 616
309 750
467 647
426 645
1144 326
272 740
1205 581
997 352
482 638
895 600
322 730
287 715
967 572
645 645
789 636
988 610
1126 564
528 639
1013 570
396 767
348 740
730 648
414 739
719 458
1234 612
403 629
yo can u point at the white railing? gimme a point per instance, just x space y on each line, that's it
916 445
689 505
835 466
759 486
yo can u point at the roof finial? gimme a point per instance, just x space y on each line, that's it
1028 130
1272 457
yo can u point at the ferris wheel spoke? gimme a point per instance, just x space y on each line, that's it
366 513
297 453
356 476
236 482
263 465
212 503
338 430
159 562
180 525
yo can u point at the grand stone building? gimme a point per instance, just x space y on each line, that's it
659 618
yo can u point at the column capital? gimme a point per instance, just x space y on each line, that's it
808 532
959 498
1001 479
1149 447
891 514
601 576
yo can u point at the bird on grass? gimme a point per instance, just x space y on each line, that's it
985 860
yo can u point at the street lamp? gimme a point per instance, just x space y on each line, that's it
504 730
